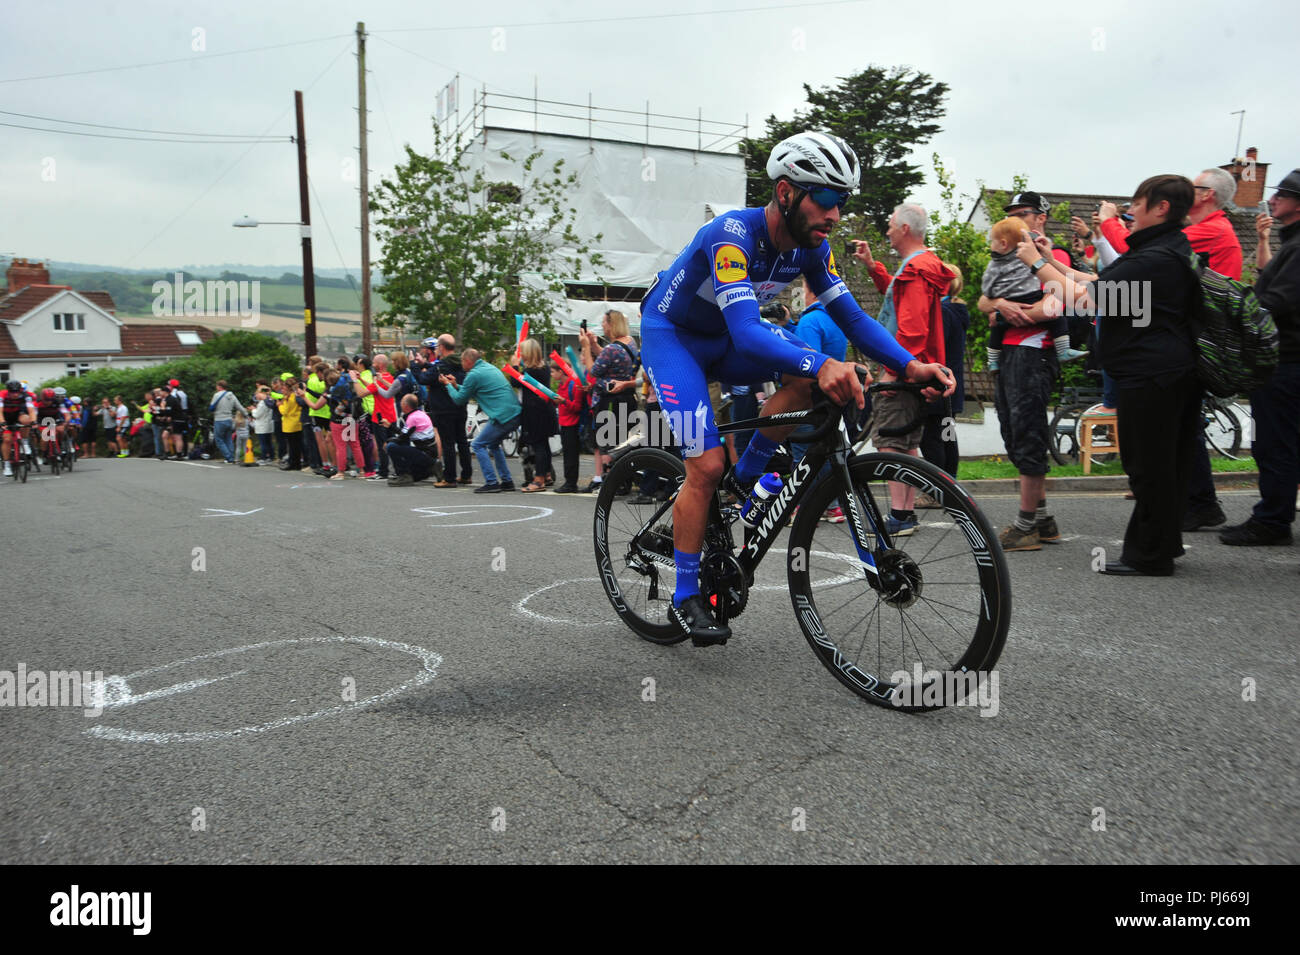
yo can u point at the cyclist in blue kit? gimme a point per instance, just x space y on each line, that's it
700 322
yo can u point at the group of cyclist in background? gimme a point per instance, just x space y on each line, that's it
56 417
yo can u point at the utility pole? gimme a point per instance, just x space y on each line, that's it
365 190
308 274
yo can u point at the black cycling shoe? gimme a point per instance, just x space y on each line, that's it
695 617
738 489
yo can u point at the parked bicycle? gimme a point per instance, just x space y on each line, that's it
1222 427
934 606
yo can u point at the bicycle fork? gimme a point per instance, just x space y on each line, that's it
856 510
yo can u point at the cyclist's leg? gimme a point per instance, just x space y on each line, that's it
795 394
674 361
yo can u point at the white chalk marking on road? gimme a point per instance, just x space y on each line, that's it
196 464
520 607
100 697
116 688
222 512
294 487
450 510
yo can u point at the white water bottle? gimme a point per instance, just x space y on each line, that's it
760 499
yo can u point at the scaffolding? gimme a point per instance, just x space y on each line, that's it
503 110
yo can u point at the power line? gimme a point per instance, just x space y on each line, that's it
645 16
128 129
320 207
240 159
150 139
195 58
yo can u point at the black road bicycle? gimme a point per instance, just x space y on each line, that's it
898 620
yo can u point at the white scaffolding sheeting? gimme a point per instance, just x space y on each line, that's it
646 201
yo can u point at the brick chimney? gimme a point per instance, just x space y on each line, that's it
22 273
1251 175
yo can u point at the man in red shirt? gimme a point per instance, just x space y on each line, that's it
1214 240
913 313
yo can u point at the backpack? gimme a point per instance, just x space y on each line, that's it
413 387
1237 345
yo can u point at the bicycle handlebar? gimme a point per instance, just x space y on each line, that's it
821 400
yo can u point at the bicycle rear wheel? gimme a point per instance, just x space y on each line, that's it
1222 429
1064 445
634 545
922 632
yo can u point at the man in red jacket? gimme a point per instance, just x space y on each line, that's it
912 312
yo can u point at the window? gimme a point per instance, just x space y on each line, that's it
4 374
189 338
67 322
76 369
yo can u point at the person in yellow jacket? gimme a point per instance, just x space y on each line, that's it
291 402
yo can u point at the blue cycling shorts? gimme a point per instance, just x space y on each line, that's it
680 364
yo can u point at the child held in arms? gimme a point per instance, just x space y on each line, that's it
1009 278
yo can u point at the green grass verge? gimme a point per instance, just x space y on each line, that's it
997 467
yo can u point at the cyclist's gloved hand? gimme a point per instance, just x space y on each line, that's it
839 382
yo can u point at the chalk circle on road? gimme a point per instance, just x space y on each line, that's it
266 686
449 515
534 612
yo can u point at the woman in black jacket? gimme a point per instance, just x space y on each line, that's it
1146 301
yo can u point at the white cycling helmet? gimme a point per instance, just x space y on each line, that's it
61 392
810 160
75 400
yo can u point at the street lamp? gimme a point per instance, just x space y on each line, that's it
308 278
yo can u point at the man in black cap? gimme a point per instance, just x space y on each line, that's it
1276 406
1023 390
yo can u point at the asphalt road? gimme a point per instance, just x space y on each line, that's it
305 671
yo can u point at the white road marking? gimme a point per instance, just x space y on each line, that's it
100 696
196 464
222 512
521 607
115 690
459 510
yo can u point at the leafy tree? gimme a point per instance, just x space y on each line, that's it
882 113
238 343
464 255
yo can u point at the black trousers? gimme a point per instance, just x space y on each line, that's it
1159 426
939 452
572 444
1276 446
451 430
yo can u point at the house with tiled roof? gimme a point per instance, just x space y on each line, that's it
50 331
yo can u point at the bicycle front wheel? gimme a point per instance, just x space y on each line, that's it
922 629
1223 430
634 543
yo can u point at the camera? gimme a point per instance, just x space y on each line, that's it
850 246
583 324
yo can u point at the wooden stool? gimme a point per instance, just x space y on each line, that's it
1086 423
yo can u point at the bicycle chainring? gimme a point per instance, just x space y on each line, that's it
722 582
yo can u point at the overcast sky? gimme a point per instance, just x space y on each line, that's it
1088 97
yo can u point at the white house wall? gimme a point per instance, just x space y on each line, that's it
45 369
647 201
35 333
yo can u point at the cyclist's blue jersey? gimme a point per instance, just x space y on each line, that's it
731 267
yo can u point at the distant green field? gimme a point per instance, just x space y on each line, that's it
284 298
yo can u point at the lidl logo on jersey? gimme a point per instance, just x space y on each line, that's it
729 264
830 264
